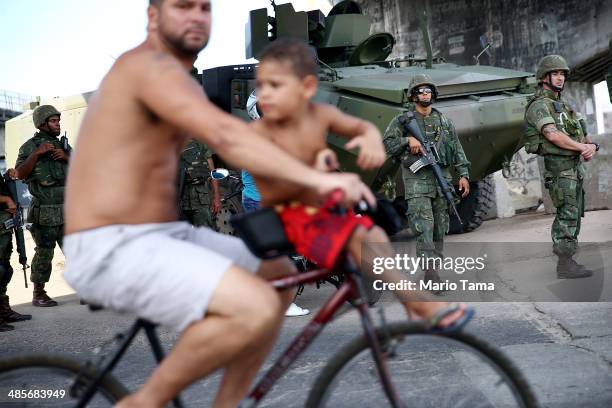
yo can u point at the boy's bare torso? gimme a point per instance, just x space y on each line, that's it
302 140
125 164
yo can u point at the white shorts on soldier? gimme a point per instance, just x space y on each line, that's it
165 273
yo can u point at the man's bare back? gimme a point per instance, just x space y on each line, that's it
124 171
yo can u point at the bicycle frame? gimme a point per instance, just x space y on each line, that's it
351 289
125 342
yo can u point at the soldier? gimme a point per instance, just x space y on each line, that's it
7 210
195 200
554 130
43 163
427 209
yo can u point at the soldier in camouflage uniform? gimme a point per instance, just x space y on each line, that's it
43 164
7 209
195 201
427 210
554 130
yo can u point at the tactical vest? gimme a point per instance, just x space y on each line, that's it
566 120
48 177
440 132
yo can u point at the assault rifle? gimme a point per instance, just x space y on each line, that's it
16 223
430 158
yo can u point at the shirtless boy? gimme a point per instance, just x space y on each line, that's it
286 83
124 248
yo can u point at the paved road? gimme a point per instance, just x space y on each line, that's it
564 349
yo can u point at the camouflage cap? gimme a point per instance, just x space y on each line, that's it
552 63
422 79
42 113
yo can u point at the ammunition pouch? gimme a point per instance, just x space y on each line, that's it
46 215
533 140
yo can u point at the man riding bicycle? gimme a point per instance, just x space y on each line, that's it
123 246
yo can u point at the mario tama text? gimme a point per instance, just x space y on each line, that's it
462 284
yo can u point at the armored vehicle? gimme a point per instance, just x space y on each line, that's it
486 103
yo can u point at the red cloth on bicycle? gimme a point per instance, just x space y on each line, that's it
317 233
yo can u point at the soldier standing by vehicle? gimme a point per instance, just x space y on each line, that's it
554 130
427 209
43 164
197 205
7 210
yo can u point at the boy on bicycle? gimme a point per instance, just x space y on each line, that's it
286 83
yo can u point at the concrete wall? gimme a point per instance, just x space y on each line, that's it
2 153
521 32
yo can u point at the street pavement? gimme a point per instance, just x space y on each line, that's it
563 349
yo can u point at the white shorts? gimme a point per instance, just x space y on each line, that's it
165 273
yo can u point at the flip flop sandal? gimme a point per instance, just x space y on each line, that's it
455 326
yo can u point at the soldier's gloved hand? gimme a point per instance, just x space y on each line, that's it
415 146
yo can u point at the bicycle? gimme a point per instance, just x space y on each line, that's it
382 344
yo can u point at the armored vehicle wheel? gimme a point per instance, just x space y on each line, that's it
474 207
230 208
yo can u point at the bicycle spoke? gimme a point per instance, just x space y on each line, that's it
428 371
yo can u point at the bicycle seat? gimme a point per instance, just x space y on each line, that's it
263 233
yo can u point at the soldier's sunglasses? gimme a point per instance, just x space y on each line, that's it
424 91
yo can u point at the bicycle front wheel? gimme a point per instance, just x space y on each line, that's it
41 380
457 370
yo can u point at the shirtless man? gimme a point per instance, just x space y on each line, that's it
123 246
286 83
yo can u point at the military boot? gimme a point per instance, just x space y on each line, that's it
568 268
5 327
8 314
41 299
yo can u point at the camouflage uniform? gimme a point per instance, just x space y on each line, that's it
195 198
46 183
427 209
564 169
6 243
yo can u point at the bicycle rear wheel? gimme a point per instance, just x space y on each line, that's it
427 370
46 380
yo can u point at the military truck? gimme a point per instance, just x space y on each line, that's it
486 103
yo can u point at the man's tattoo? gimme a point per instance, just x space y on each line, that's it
549 129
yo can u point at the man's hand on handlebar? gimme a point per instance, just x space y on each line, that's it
350 184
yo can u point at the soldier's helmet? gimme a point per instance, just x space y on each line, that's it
420 80
42 113
552 63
